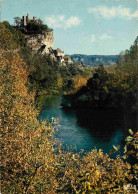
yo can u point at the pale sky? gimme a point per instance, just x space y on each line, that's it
82 26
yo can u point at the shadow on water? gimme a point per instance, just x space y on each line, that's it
87 129
105 122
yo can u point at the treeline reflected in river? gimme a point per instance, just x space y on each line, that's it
87 129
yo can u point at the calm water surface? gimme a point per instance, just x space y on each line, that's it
87 129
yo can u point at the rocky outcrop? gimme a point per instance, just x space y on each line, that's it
40 42
43 43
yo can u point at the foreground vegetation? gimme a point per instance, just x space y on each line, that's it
31 159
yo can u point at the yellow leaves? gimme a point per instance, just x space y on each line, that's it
89 186
97 173
122 78
29 159
6 39
94 172
101 153
60 82
24 141
79 82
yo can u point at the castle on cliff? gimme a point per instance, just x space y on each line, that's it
43 43
25 19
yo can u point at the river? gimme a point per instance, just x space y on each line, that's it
87 129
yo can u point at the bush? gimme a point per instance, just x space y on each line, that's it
25 145
36 27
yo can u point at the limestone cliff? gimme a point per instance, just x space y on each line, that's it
40 42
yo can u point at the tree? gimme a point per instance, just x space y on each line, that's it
26 147
36 27
6 39
17 21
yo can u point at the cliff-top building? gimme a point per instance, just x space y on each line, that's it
43 43
25 20
67 59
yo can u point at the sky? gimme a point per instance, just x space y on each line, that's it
92 27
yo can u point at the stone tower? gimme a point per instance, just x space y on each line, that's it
27 17
25 20
38 42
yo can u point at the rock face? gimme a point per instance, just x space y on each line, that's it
40 42
43 43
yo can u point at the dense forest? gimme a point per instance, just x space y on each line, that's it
110 87
31 159
95 60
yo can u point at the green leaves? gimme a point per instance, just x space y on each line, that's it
131 132
6 39
116 148
129 139
37 27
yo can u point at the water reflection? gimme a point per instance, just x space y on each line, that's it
87 129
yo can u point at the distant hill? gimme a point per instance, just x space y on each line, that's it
94 60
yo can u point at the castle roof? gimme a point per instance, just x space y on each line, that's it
67 57
59 51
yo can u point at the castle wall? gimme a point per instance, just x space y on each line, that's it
24 20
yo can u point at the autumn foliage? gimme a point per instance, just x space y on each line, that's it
25 146
30 161
6 39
